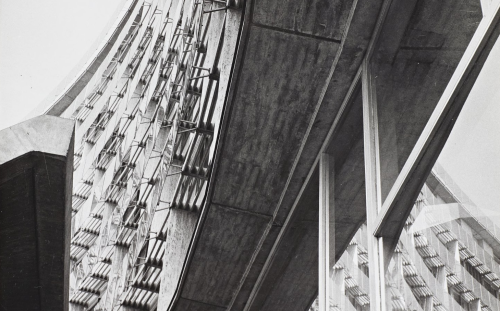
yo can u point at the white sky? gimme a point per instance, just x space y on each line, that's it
471 155
42 41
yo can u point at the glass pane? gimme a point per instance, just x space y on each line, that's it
352 289
460 218
346 149
448 255
416 54
347 205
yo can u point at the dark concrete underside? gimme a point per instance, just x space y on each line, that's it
32 249
296 62
35 214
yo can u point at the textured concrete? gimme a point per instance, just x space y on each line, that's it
181 225
295 65
278 106
254 244
419 49
45 134
218 255
36 173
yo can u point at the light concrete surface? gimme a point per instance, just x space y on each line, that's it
47 134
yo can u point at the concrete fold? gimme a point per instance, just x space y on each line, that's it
36 173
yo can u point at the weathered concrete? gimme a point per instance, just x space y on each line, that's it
36 170
45 134
419 48
294 68
254 244
277 120
218 255
181 225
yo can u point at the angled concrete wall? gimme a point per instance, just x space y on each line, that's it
36 170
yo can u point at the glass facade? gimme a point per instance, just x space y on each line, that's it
417 52
424 243
443 260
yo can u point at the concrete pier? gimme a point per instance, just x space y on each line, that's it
36 171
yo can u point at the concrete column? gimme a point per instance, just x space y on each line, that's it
352 250
326 247
442 287
373 192
116 276
428 304
36 175
338 288
455 255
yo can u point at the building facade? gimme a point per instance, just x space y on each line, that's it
447 257
227 152
147 111
36 170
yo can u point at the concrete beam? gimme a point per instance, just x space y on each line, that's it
263 169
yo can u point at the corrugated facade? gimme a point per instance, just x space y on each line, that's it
146 118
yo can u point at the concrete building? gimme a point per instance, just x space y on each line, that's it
36 161
448 256
227 152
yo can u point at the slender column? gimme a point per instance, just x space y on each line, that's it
428 304
373 201
324 233
338 292
455 255
443 287
116 277
352 250
475 305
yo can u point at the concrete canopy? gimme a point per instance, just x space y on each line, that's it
36 172
255 245
291 76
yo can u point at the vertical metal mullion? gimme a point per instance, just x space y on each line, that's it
372 184
324 234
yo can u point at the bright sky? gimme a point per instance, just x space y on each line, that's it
40 43
472 153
